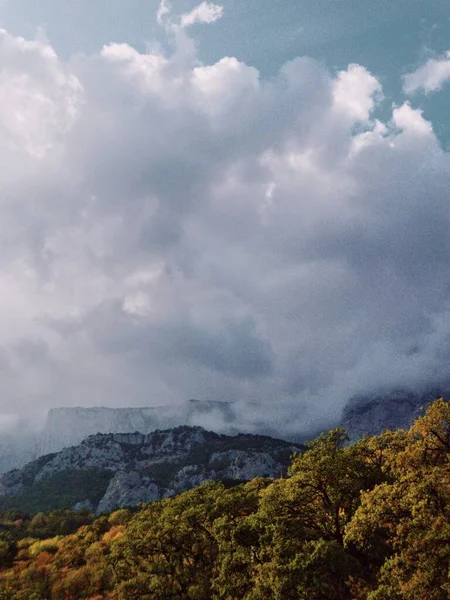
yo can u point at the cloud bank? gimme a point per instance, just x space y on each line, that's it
171 230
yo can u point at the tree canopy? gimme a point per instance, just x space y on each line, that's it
369 520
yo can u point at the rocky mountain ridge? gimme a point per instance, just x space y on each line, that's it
69 426
108 471
64 427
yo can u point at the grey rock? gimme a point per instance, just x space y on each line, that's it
243 466
83 505
157 465
128 489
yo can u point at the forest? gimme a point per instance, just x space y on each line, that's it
368 520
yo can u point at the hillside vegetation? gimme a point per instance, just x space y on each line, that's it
369 520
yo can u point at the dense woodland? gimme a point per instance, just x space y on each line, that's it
369 520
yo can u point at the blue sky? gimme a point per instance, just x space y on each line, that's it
240 201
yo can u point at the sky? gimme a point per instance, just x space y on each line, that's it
244 201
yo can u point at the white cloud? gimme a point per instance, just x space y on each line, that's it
164 9
411 120
206 12
219 87
137 304
430 77
355 92
38 99
173 230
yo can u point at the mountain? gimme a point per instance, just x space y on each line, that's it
69 426
108 471
363 415
370 415
342 526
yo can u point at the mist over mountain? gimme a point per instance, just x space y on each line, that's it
19 444
63 427
69 426
371 415
172 228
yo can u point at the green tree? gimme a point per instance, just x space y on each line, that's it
403 526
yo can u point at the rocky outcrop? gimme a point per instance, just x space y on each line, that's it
129 489
83 505
147 467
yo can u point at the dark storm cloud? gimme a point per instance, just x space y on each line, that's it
172 230
232 347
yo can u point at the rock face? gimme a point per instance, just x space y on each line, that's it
146 467
372 415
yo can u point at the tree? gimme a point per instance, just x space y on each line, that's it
403 526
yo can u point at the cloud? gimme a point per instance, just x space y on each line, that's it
430 77
206 12
164 9
44 99
173 230
411 120
355 92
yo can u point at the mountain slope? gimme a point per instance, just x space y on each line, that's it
107 471
371 415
